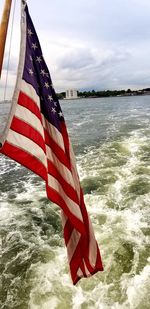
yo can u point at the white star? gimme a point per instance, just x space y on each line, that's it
31 72
53 110
55 103
38 59
46 85
43 72
31 58
34 46
60 114
50 98
30 32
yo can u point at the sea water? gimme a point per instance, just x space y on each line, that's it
111 140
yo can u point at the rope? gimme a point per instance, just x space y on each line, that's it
9 53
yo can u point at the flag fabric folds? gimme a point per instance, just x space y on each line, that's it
36 137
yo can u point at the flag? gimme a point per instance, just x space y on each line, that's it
36 137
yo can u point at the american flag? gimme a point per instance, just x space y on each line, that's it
36 137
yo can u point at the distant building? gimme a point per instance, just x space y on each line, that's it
71 94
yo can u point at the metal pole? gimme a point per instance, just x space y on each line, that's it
3 30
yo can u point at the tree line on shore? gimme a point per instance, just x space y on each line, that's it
106 93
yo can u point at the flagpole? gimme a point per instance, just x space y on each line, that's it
3 30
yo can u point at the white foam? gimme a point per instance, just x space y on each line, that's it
5 213
137 289
123 223
47 304
48 279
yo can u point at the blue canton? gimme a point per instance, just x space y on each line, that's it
37 74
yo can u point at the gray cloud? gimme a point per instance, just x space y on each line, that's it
96 44
77 59
93 68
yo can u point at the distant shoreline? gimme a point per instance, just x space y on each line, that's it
99 94
106 93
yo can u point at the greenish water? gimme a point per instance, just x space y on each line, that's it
111 140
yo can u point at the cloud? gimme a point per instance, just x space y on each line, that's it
77 59
86 67
92 44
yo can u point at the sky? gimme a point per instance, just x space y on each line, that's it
87 44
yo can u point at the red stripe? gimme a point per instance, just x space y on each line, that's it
69 190
66 140
27 130
60 154
68 229
24 158
99 264
84 213
55 197
26 101
77 261
83 246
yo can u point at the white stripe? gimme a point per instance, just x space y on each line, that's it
86 270
27 116
63 170
54 133
72 206
30 92
63 218
74 172
92 246
72 243
80 273
28 145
